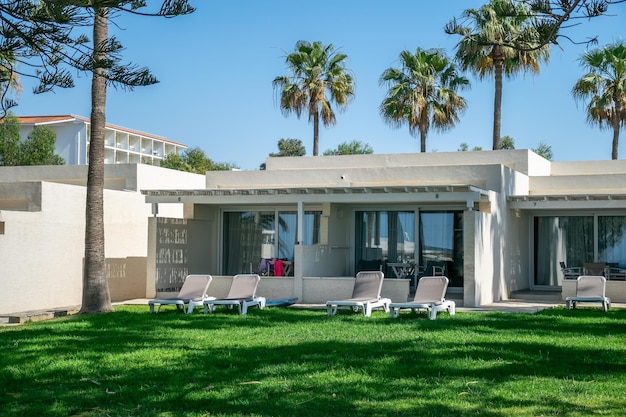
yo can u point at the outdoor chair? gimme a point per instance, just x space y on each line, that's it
365 295
594 268
431 269
589 289
571 272
429 296
192 293
615 273
242 293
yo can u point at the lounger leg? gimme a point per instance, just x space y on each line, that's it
432 312
151 308
367 310
242 307
331 310
452 309
568 304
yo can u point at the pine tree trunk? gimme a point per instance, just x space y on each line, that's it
96 296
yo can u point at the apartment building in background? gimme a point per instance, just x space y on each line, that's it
121 145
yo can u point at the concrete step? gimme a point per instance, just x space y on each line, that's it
39 315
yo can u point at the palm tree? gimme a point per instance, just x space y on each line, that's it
318 78
499 39
605 87
423 93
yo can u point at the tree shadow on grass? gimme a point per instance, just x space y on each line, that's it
284 362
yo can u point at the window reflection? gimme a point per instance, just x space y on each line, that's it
384 237
250 236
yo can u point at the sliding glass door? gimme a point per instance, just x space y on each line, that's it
387 237
250 237
441 243
575 240
384 236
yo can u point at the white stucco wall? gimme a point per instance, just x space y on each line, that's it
41 252
42 248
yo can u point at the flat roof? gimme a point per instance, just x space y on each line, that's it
465 194
567 201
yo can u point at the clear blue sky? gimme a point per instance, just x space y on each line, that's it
216 68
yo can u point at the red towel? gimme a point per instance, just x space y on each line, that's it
278 268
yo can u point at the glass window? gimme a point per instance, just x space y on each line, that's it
567 239
612 240
572 240
251 236
288 232
384 236
441 243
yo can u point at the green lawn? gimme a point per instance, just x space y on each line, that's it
289 362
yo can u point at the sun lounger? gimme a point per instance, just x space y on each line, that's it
242 294
192 293
590 289
365 295
429 296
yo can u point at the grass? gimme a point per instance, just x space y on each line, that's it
288 362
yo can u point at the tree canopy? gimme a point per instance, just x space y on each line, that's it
37 149
354 147
289 147
193 160
603 88
318 78
423 93
498 39
544 150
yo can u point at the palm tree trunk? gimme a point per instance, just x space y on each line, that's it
497 101
96 296
615 139
616 123
316 132
423 125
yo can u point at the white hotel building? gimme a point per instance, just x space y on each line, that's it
122 145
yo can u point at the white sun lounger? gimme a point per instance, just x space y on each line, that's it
430 296
192 293
589 289
365 295
242 294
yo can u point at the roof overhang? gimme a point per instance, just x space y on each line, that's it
568 202
468 195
